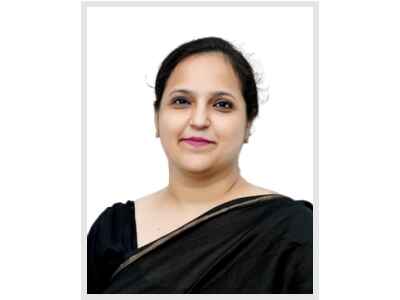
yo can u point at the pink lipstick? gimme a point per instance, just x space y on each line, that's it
197 142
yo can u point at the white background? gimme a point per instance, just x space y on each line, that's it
125 160
40 224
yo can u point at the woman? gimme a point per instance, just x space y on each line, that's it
209 230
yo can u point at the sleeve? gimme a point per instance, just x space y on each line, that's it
301 270
96 277
300 258
108 242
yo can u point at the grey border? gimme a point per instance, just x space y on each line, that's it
198 3
84 148
314 5
316 151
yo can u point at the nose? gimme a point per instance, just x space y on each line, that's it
199 118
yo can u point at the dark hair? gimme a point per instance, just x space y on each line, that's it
241 66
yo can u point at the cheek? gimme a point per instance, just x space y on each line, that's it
231 131
170 128
169 124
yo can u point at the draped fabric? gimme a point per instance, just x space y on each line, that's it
256 244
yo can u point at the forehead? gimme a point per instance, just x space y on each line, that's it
205 71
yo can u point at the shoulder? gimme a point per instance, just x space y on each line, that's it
117 220
299 221
113 226
113 215
289 219
109 241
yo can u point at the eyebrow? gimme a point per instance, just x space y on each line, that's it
216 93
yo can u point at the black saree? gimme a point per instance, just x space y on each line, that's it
256 244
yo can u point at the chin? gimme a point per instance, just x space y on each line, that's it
197 166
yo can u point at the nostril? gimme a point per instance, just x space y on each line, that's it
200 122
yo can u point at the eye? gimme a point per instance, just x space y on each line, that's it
180 101
224 105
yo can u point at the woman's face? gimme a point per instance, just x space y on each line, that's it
202 98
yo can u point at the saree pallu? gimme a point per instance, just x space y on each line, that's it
257 244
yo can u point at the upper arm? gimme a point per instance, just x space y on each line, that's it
300 261
95 274
301 265
109 241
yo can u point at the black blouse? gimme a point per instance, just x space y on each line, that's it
111 240
287 255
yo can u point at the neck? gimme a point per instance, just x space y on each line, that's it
188 191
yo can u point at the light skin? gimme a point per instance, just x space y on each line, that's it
199 178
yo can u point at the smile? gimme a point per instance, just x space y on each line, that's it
197 144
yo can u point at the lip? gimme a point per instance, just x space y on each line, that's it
197 142
197 139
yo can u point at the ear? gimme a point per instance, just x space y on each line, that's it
247 132
248 127
156 124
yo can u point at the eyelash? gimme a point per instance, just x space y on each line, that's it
223 101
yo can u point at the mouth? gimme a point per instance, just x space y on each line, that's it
197 142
